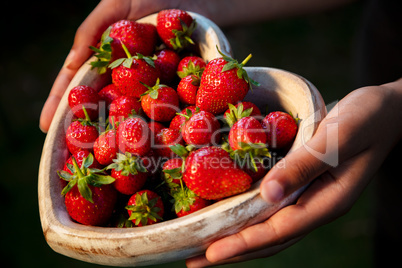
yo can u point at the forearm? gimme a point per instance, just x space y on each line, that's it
232 12
394 93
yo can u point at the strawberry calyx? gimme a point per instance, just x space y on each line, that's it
183 199
248 154
173 174
128 62
84 176
182 151
235 114
103 53
183 38
152 91
127 164
234 64
189 113
87 120
144 209
191 69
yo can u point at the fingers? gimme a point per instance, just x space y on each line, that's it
298 168
202 261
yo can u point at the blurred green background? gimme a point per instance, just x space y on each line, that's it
36 39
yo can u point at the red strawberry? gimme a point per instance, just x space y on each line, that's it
175 28
89 197
172 172
166 62
281 129
180 119
247 130
123 107
187 89
186 202
105 147
160 103
145 208
240 110
86 96
131 73
257 172
109 93
164 139
190 65
133 136
129 173
138 38
211 174
201 128
81 134
223 81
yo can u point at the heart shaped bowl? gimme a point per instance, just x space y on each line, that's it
182 237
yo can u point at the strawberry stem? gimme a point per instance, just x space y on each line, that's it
77 168
246 60
125 50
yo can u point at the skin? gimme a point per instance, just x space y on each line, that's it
334 188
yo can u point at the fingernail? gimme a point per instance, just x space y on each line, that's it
272 191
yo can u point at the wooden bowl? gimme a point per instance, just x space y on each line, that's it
183 237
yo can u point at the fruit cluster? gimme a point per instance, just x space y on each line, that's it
176 135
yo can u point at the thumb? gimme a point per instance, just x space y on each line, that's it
300 167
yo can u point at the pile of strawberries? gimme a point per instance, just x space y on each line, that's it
170 135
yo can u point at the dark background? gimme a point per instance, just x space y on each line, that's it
35 40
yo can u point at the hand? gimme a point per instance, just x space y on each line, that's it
333 189
88 34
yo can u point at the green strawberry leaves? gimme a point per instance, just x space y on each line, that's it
235 114
152 91
128 62
234 64
84 176
144 209
103 53
127 164
183 38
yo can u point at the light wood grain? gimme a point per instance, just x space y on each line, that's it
179 238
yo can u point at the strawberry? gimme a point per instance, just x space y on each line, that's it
151 162
281 129
166 62
123 107
129 173
172 172
180 119
247 130
160 102
109 93
164 139
175 28
211 174
187 202
89 197
133 136
81 134
84 96
187 89
247 145
223 81
105 147
138 38
241 109
190 65
131 73
201 129
145 208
